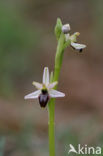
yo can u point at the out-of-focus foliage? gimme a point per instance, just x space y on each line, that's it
17 40
97 13
2 144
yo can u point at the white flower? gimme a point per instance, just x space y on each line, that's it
45 90
72 38
75 45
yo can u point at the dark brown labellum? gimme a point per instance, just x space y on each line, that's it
80 50
43 98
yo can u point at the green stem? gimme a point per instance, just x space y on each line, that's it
51 104
59 57
51 124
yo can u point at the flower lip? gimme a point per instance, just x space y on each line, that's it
43 99
80 50
78 46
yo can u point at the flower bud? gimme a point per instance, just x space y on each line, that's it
66 28
58 28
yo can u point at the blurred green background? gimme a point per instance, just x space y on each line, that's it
27 45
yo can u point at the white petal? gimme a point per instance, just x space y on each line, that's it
37 85
54 93
46 76
52 85
78 46
33 95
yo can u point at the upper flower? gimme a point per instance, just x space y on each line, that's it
44 90
72 38
66 28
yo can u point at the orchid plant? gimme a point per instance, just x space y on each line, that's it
46 91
